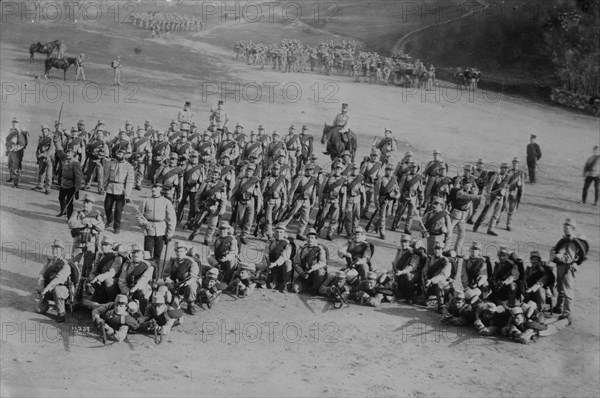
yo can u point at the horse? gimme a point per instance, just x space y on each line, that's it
336 144
64 64
46 48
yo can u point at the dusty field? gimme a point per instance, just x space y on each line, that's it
287 345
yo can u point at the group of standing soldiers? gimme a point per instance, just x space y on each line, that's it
158 22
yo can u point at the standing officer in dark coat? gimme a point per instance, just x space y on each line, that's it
534 153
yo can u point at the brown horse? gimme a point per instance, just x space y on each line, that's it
64 64
45 48
336 144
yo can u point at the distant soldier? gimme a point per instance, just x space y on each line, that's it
45 156
461 202
79 64
538 281
185 115
115 319
120 178
116 66
366 293
253 147
387 146
246 198
193 176
591 174
435 274
16 142
160 154
534 154
494 199
157 221
171 178
52 282
386 192
306 146
411 195
121 142
342 120
97 153
229 146
437 225
310 265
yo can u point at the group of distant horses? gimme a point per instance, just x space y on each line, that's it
51 62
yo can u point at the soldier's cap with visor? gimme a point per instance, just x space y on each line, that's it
438 200
535 254
339 275
438 245
121 299
45 127
292 127
106 241
571 222
15 120
459 294
224 225
476 246
260 127
58 243
359 230
88 198
346 153
280 227
389 166
471 295
515 160
212 273
371 276
503 251
248 267
312 231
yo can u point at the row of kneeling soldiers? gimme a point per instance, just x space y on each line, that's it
127 290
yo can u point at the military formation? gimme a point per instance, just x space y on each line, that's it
157 22
228 187
343 58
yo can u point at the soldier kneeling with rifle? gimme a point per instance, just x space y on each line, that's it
183 277
367 292
358 253
310 265
114 319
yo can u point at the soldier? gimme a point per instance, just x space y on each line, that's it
568 254
436 225
229 147
211 201
193 176
239 136
403 166
474 273
334 285
135 278
246 198
86 227
116 66
495 195
252 148
171 178
310 265
503 281
367 293
514 191
45 155
293 147
206 149
303 195
185 115
161 314
16 142
72 141
345 160
52 282
210 289
276 148
370 169
157 218
358 253
534 154
160 154
219 115
278 258
119 182
461 202
538 281
333 195
70 183
342 120
121 142
225 256
435 274
104 275
242 283
591 174
306 146
387 146
227 174
183 276
490 318
386 192
432 173
274 190
173 133
129 130
356 194
97 152
115 318
407 267
411 194
141 157
79 64
182 147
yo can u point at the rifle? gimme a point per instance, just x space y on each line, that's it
337 299
398 216
259 218
340 228
234 211
197 223
377 210
101 326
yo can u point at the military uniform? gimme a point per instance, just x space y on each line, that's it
52 283
120 179
357 254
225 251
437 226
306 147
160 153
274 190
386 191
311 267
96 151
206 150
211 199
294 148
247 197
193 176
514 191
503 281
474 273
538 282
303 195
16 142
45 155
183 279
411 194
333 194
158 223
105 275
433 173
436 271
496 194
534 154
355 195
407 269
141 157
370 170
71 182
462 208
230 148
279 262
89 226
387 146
134 280
367 293
171 179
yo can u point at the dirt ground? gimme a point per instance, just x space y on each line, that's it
274 344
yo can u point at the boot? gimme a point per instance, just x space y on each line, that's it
476 226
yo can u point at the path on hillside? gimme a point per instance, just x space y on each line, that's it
399 46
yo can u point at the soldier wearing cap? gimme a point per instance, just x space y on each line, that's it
407 267
367 293
129 129
358 253
104 275
386 192
171 178
160 154
242 282
211 201
246 198
185 115
411 194
538 281
274 188
568 254
514 189
230 147
333 195
475 271
303 195
141 157
306 146
490 318
294 148
134 280
210 289
356 194
79 65
97 153
276 148
183 273
278 258
227 174
193 177
158 222
219 116
335 283
310 265
342 119
503 281
263 138
16 142
182 146
495 194
82 132
45 155
72 141
206 149
70 183
86 227
52 281
121 142
403 166
252 148
115 318
120 179
461 198
456 309
436 272
534 154
59 139
239 136
370 169
433 173
225 252
591 175
387 146
173 132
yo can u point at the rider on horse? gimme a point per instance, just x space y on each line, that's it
342 120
